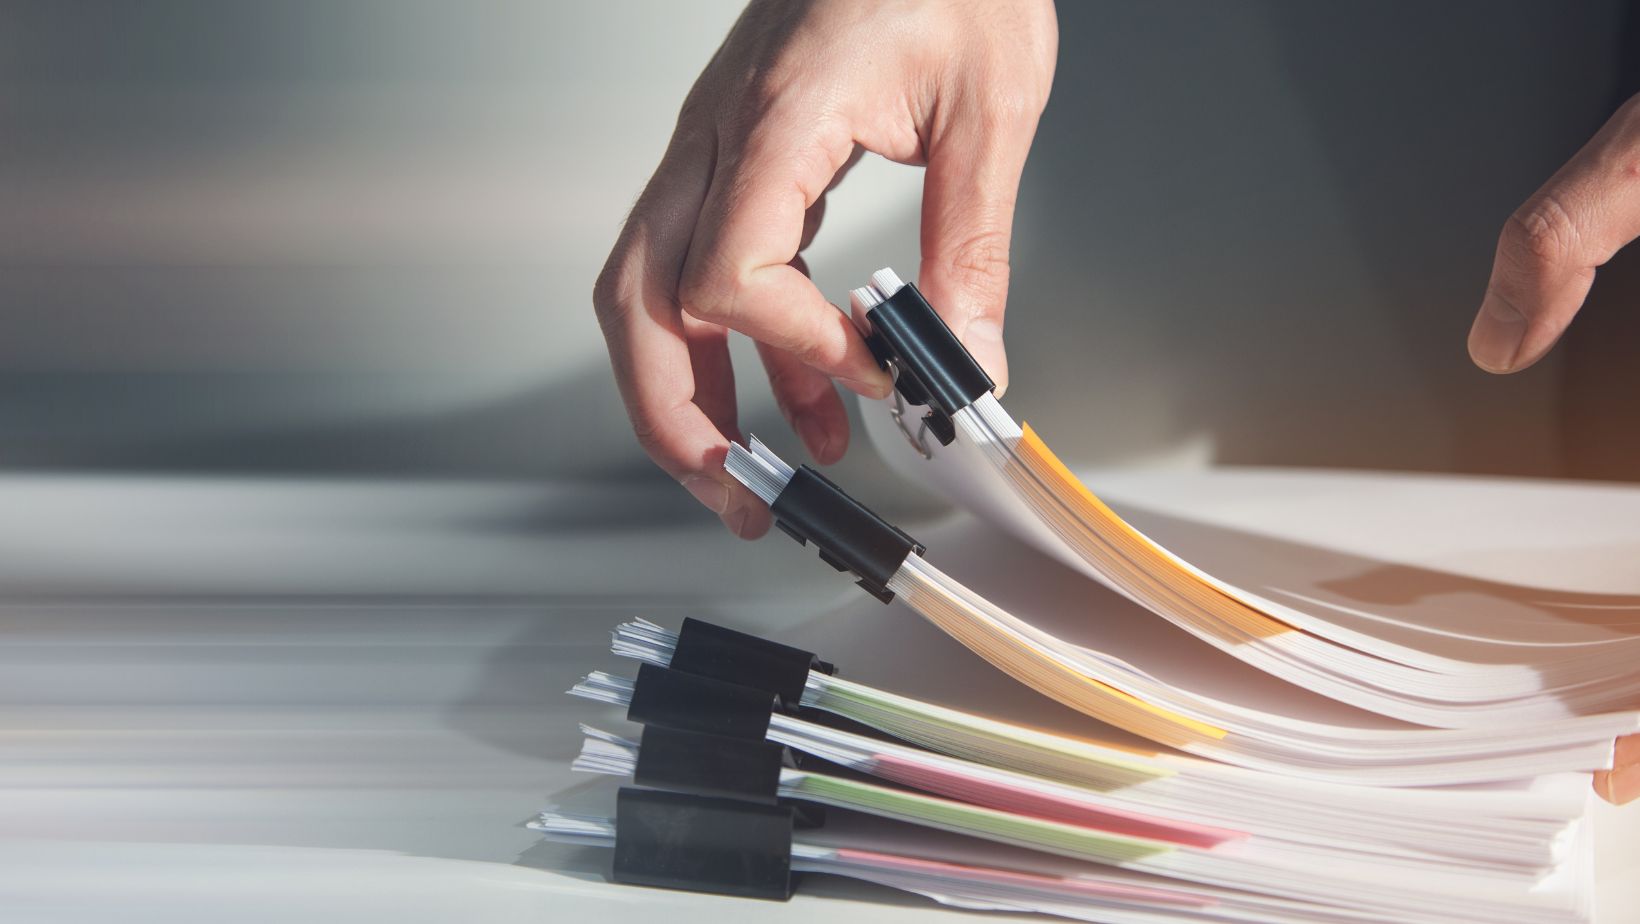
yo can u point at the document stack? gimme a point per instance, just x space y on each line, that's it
1236 753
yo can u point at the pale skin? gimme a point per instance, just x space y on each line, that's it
795 94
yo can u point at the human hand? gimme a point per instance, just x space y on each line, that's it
1621 783
783 109
1551 246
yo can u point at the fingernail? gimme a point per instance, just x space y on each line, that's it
816 437
749 522
714 495
877 388
1618 786
736 521
1622 783
1494 341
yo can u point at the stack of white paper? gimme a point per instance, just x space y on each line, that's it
1466 667
1389 741
1211 708
1212 842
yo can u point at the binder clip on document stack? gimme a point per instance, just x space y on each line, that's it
1316 803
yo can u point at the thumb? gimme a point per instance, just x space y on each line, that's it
1621 783
1550 248
967 223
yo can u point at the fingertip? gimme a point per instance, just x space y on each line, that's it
1603 785
1619 787
749 521
825 437
876 387
810 403
1495 337
1621 784
860 371
816 435
837 448
712 494
1483 364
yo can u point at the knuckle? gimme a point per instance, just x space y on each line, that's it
708 292
1011 108
748 100
765 89
611 299
698 109
650 430
607 288
1542 233
980 262
1010 98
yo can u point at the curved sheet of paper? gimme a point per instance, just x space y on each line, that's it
1449 649
1045 626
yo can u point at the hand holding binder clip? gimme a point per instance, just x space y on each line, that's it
930 366
809 508
931 369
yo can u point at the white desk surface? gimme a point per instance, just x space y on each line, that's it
333 701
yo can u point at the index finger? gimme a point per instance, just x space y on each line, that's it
649 344
1550 248
738 272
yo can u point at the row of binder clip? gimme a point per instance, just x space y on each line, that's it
704 815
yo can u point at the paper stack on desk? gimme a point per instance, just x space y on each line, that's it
1324 714
981 811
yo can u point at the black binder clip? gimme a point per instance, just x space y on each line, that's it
849 536
667 698
703 844
724 654
707 737
710 650
930 365
709 765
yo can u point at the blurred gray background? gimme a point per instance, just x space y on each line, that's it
316 493
359 238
